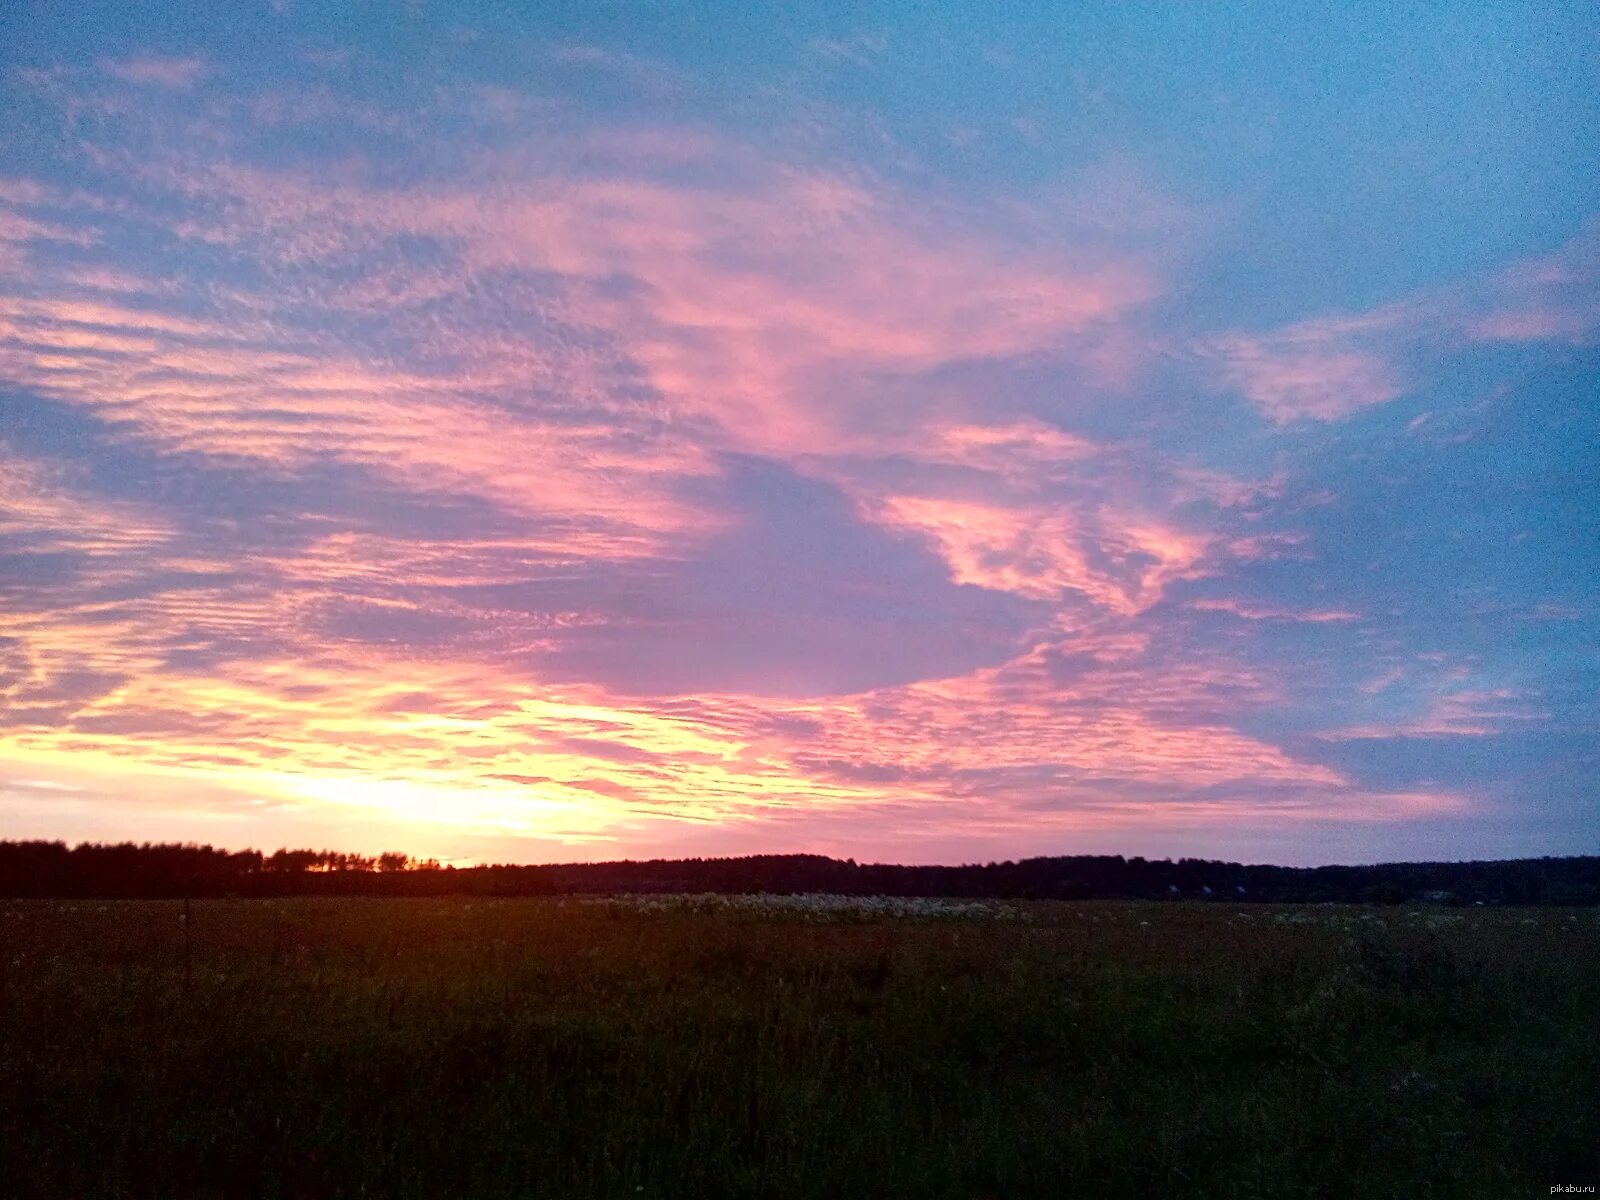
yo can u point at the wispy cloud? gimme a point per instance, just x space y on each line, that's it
491 461
175 74
1451 714
1329 368
863 49
1321 370
1262 612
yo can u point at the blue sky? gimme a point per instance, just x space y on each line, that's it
920 433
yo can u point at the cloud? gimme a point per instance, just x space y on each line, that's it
1119 562
567 479
175 74
1329 368
1260 612
1450 714
1315 371
747 306
1554 297
653 77
861 49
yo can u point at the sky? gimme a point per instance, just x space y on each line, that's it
921 433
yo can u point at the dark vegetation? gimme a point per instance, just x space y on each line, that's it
45 869
731 1047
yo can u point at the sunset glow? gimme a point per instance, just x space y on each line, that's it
933 436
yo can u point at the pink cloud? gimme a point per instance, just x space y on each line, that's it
235 391
1535 325
1464 713
582 353
752 306
751 310
1555 297
1267 546
176 74
38 497
1263 612
1330 368
1304 375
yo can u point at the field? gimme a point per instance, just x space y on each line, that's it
794 1047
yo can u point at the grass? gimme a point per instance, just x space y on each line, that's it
563 1048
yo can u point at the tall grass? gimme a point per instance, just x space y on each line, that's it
550 1049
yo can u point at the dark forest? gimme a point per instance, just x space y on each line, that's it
129 871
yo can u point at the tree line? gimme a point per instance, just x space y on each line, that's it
167 870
